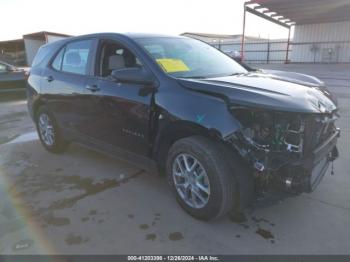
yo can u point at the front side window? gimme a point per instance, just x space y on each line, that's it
76 57
189 58
114 56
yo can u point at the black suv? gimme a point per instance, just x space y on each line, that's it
220 132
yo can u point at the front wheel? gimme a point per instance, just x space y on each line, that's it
49 133
200 178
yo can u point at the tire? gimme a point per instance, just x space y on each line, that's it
57 144
221 183
244 177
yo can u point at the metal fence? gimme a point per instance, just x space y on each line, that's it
295 52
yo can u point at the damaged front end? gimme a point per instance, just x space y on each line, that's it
287 149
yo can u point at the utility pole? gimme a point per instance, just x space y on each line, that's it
243 31
288 42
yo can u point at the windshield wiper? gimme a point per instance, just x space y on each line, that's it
236 74
213 76
195 77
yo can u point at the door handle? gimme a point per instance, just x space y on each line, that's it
49 78
92 88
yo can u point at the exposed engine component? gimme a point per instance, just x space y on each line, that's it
272 131
279 145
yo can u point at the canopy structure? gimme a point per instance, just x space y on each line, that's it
303 11
288 13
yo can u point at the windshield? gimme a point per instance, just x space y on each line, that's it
189 58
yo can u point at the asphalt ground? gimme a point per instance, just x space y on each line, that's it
83 202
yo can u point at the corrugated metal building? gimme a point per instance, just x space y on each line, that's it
328 42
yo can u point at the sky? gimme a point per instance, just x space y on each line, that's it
77 17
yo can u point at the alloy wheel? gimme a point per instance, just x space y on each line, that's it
191 180
46 130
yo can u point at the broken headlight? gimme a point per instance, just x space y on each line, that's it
274 131
267 133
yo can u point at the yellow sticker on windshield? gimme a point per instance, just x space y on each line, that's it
170 65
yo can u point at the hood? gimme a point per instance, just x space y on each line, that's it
267 90
294 77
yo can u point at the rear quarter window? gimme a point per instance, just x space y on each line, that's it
57 62
42 53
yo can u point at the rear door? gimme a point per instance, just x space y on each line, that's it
64 81
118 113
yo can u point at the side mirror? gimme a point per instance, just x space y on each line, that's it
133 75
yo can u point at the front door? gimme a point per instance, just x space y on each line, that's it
118 113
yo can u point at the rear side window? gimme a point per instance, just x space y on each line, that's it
75 57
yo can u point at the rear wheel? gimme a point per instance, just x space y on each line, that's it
201 178
49 133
